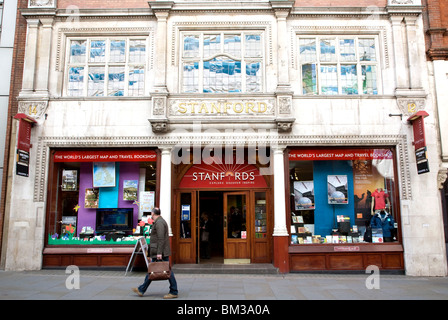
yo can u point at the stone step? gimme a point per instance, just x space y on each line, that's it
220 268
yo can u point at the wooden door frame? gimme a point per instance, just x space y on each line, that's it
249 228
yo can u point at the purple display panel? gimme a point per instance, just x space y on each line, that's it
86 216
128 171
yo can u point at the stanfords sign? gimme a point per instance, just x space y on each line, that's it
221 107
223 176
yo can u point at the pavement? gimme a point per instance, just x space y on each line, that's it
81 284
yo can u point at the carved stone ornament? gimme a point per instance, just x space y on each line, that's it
284 124
41 3
409 106
34 109
284 105
159 125
441 177
402 2
158 108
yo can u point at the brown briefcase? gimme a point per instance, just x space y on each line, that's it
159 270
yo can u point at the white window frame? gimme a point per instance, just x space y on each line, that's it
244 59
106 64
339 63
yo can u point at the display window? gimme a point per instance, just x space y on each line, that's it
100 196
343 195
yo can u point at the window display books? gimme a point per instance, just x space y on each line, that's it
69 180
130 190
304 195
92 198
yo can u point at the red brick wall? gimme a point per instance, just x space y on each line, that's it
435 18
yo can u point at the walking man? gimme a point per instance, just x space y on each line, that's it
159 249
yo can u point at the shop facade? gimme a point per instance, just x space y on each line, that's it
283 126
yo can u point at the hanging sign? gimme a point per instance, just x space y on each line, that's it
24 135
418 127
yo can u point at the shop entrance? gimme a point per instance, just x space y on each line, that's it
217 226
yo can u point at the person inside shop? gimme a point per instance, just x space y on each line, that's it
380 200
205 236
159 250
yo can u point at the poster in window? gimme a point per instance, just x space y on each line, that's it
146 201
103 174
185 213
69 180
337 186
304 195
130 190
92 198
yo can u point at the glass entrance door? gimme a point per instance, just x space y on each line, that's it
236 227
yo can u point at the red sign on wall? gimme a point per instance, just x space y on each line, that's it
105 156
221 175
24 135
339 154
418 126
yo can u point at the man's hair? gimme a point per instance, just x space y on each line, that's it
156 211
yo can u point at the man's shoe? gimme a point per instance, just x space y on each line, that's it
137 292
170 296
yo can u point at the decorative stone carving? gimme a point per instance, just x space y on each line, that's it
441 177
34 109
409 106
284 124
159 125
284 105
45 143
41 3
158 106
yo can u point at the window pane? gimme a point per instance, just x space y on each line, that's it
253 46
366 50
329 79
137 51
96 81
347 49
309 79
190 77
232 45
78 51
75 81
97 50
307 50
327 50
136 81
222 75
117 51
115 86
191 46
369 80
212 44
253 77
349 80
